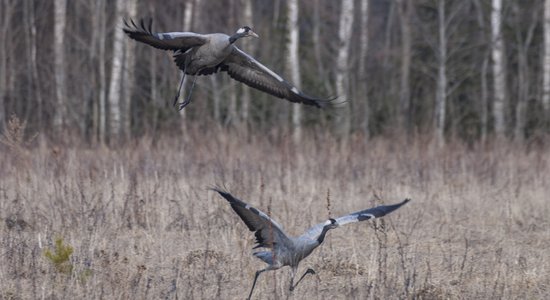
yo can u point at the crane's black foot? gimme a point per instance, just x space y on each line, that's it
308 271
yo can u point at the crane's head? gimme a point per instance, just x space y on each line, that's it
333 224
246 31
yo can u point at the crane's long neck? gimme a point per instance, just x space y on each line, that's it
321 237
235 37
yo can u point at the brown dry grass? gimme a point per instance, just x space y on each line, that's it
143 225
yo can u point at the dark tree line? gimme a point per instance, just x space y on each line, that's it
467 69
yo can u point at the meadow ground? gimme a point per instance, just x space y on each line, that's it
142 224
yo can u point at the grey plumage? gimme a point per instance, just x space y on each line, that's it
289 251
205 54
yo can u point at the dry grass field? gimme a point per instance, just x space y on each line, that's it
142 225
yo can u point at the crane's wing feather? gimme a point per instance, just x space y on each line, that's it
244 68
267 231
164 40
367 214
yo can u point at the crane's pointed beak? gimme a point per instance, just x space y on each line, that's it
253 34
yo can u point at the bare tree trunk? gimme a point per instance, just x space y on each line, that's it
7 13
29 93
128 75
389 80
153 82
34 66
216 88
342 65
154 92
484 98
247 47
60 19
524 44
232 114
499 75
405 10
523 91
102 111
293 63
546 60
363 49
216 94
483 75
441 90
188 15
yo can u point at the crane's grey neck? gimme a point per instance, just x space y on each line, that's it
321 237
236 36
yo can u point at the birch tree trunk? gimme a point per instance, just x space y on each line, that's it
102 111
188 15
342 65
116 76
293 63
483 75
128 75
363 49
60 19
546 60
441 89
499 75
318 46
405 9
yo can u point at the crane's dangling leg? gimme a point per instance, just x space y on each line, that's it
309 271
179 89
188 99
254 283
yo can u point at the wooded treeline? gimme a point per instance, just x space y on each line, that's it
466 69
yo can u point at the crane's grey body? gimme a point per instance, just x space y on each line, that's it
289 251
205 54
215 50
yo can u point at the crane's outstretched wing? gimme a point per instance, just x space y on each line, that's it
244 68
267 231
166 41
367 214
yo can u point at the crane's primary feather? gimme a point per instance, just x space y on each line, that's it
363 215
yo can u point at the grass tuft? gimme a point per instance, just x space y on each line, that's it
60 257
